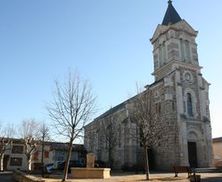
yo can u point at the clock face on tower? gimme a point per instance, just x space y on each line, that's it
188 76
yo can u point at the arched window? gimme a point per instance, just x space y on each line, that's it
187 50
182 49
189 105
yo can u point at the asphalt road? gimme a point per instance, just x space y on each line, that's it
6 177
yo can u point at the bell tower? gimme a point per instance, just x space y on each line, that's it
173 43
176 64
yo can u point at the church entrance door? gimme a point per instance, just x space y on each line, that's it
192 154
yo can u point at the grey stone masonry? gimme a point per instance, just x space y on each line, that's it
179 101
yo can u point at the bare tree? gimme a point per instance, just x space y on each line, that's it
28 128
28 131
70 109
5 141
146 118
109 137
43 136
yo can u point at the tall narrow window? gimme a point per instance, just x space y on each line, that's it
46 154
164 53
120 134
187 48
173 106
160 55
189 105
182 50
156 61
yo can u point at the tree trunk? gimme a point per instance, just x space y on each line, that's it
1 162
42 157
29 166
65 174
147 164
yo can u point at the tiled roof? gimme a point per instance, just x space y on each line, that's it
122 105
219 139
64 146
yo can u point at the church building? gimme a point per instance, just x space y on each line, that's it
179 96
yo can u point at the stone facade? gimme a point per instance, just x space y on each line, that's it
179 96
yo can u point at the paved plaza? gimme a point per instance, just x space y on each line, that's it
157 177
127 177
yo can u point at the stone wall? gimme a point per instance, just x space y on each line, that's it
22 177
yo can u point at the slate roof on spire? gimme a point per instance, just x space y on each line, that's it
171 15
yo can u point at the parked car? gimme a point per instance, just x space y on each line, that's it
72 163
56 164
48 168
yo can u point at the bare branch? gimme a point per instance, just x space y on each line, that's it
72 105
6 135
146 116
29 132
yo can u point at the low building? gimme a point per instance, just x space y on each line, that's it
15 158
38 154
217 151
59 151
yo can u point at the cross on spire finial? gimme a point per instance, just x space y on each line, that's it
170 2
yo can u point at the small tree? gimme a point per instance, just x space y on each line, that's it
5 141
70 109
109 137
44 136
28 131
146 120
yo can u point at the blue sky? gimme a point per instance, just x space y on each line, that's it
106 40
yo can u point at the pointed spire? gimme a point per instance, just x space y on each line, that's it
171 15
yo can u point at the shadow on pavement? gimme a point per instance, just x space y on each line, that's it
212 179
6 177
